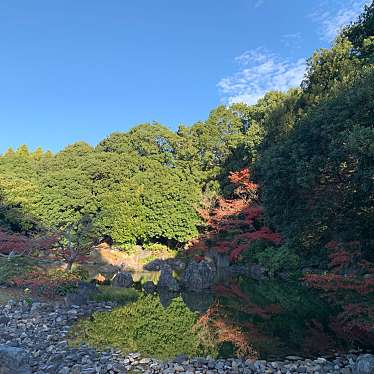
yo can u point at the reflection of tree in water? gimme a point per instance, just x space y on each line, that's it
277 319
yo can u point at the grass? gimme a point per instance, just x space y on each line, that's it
119 295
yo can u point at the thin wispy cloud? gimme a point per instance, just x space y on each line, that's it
259 3
292 41
333 17
259 72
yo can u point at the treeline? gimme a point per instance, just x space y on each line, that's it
311 151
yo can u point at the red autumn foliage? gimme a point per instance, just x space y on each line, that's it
242 181
45 283
355 323
234 223
15 243
334 282
23 245
346 286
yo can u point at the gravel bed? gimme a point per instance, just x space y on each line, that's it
40 332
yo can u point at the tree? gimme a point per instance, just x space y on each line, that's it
361 33
75 242
155 204
317 185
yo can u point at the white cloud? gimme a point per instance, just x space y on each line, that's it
332 17
260 72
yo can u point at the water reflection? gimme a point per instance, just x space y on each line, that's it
278 318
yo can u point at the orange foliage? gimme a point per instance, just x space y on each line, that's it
214 328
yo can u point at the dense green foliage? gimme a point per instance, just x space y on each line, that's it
311 150
146 327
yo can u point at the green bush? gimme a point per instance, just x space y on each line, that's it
145 327
276 259
256 247
10 268
118 295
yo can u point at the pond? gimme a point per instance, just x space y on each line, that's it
277 318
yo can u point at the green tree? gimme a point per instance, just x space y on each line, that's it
318 185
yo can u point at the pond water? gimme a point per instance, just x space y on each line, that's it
278 318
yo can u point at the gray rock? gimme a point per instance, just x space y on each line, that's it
14 360
167 281
155 265
122 279
80 296
199 275
175 264
364 364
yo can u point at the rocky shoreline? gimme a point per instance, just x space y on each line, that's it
33 339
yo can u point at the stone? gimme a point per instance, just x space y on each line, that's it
14 360
167 281
293 358
176 264
199 275
122 279
364 364
155 265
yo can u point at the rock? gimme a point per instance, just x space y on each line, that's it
159 264
293 358
364 364
167 281
149 287
4 320
122 279
155 265
199 275
81 295
13 360
175 264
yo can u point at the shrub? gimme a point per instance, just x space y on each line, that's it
145 327
49 283
118 295
12 267
276 259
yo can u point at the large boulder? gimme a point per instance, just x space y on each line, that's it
364 364
122 279
158 264
199 275
13 360
155 265
167 281
81 295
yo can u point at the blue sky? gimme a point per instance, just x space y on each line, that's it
80 69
